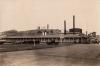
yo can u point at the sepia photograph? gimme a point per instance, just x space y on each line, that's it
49 33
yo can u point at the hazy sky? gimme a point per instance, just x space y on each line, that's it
28 14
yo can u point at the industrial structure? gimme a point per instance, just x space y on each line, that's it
49 36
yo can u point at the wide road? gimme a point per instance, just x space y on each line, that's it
72 55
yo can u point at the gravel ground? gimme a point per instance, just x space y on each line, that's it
66 55
21 47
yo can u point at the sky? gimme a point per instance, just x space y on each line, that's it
29 14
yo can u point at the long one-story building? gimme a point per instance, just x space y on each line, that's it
74 35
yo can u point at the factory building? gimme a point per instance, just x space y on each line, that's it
31 32
75 35
75 30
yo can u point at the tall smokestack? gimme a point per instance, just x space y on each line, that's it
73 24
73 21
38 27
47 26
86 33
64 26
